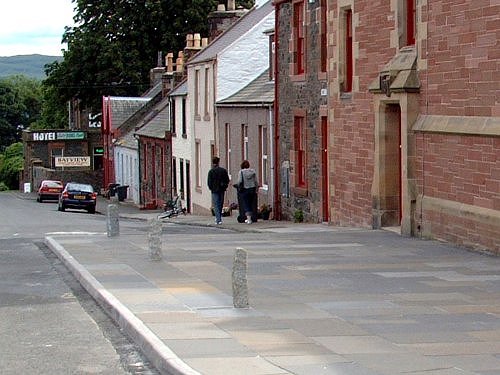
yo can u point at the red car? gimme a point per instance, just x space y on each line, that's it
49 189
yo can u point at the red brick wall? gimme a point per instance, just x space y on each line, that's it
352 119
463 79
464 58
460 168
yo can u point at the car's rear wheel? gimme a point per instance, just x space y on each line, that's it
91 210
39 199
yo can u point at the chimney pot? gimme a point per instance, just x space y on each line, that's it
189 40
221 8
197 40
231 5
170 62
204 42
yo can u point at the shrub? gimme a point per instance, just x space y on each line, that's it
11 163
298 216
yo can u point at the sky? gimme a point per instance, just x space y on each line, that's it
33 26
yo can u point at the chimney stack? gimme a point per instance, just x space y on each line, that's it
179 63
170 62
197 40
222 18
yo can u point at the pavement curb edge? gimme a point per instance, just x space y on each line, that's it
165 361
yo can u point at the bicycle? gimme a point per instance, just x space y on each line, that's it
172 208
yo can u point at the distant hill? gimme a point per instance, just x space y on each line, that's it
29 65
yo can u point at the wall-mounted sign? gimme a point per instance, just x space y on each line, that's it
95 120
98 150
72 161
70 135
54 136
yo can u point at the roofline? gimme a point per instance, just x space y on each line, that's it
218 37
245 104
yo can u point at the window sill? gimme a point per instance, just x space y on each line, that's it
300 191
322 76
298 77
345 95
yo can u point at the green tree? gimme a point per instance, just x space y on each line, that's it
11 163
116 43
20 105
114 46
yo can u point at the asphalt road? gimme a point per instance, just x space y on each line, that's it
48 323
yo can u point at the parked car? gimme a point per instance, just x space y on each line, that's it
76 195
49 189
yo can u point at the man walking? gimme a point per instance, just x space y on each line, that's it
218 181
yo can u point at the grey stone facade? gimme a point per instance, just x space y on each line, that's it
305 94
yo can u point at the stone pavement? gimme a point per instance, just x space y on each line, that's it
323 300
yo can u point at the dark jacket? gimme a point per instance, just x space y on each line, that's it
218 179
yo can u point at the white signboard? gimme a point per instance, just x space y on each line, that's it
72 161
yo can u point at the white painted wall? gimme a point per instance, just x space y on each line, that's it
244 60
127 170
203 130
181 147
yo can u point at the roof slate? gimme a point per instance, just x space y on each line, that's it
128 141
259 91
180 90
157 122
153 91
123 107
228 37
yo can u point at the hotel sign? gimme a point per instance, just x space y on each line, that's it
57 136
72 161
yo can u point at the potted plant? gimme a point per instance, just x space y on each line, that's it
264 211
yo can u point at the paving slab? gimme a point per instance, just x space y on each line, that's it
323 300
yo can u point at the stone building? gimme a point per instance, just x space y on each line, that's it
301 110
414 118
155 155
64 155
407 135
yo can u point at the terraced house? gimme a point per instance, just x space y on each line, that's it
409 134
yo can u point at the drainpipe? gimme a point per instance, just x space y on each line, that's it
139 190
272 185
277 169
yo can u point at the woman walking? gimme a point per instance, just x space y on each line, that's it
248 184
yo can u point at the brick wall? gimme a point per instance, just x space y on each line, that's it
85 176
460 168
463 58
352 123
455 169
460 172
